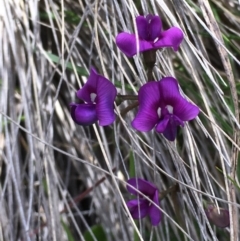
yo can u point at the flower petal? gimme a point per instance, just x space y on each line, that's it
185 110
171 130
106 94
155 27
170 38
90 87
169 91
147 116
138 208
142 27
84 114
145 187
127 43
162 125
154 213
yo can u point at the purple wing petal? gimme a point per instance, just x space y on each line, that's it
145 187
170 38
147 116
185 110
127 43
162 125
142 27
155 27
171 130
106 94
84 114
90 87
138 208
154 213
169 91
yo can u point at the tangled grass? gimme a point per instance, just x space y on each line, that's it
60 181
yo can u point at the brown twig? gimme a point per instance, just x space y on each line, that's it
128 97
130 107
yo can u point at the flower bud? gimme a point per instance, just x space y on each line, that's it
218 216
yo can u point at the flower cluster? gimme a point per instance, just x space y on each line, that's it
161 105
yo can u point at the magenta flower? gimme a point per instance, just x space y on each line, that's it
98 94
219 218
162 106
141 207
150 36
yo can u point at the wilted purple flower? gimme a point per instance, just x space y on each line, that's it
141 207
162 105
98 94
150 36
219 217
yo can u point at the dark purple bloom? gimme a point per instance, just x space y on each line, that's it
150 36
162 105
98 94
218 217
141 207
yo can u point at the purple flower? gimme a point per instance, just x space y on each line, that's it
150 36
141 207
162 105
98 94
219 218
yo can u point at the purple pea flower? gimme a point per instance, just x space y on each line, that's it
150 36
162 106
141 207
218 217
98 94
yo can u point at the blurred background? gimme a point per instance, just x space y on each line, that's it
62 181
